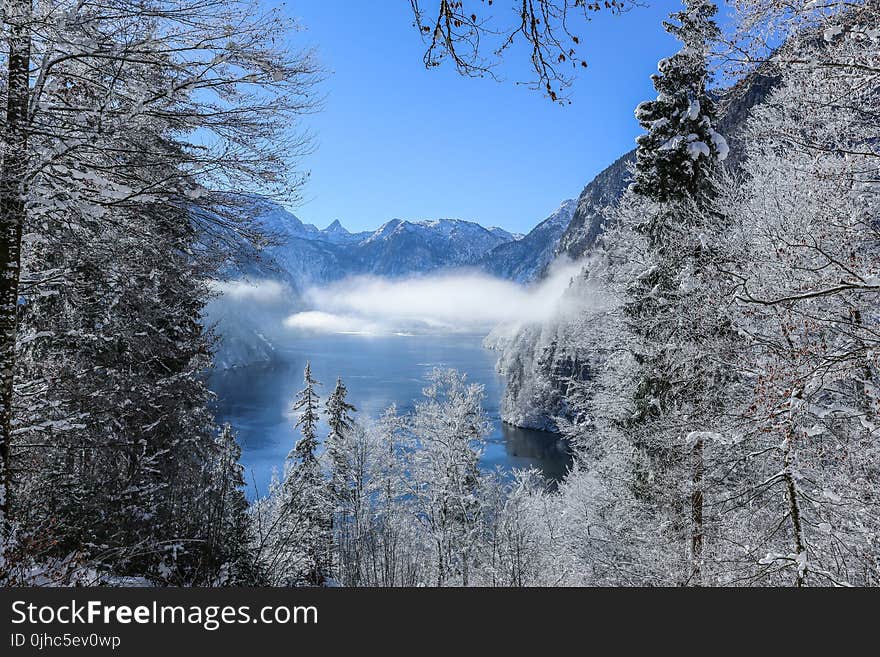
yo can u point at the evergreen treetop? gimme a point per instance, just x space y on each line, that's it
306 404
677 156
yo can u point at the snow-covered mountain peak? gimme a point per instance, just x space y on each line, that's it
336 228
276 220
500 232
564 212
386 229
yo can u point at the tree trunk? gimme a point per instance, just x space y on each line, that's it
697 515
12 216
794 512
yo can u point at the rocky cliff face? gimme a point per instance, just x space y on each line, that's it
589 219
535 401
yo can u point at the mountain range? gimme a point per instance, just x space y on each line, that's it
303 255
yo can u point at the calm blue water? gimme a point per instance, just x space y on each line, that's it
378 371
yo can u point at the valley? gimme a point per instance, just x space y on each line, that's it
380 309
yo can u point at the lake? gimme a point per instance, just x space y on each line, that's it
378 371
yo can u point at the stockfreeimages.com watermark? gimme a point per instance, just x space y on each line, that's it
209 617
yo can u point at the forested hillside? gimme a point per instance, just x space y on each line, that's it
721 387
114 218
541 362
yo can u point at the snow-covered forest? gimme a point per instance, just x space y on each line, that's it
714 368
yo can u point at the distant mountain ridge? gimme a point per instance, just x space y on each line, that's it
303 255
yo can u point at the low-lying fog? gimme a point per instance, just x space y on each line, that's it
459 301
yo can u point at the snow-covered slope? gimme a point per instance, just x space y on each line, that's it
336 233
404 247
524 260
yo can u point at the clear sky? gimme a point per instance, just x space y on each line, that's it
395 140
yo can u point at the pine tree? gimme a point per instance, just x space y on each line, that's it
306 404
676 159
675 163
338 450
670 321
307 495
228 557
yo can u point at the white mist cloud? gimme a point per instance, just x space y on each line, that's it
261 291
321 322
460 301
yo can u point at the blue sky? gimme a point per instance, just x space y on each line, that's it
395 140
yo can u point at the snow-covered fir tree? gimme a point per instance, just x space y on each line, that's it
677 156
345 463
341 423
307 493
306 406
668 371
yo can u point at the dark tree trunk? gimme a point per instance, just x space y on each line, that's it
12 216
697 515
